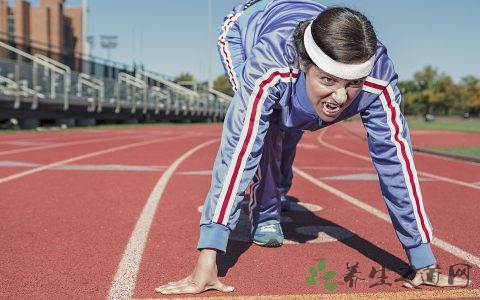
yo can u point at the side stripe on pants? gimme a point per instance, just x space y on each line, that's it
247 140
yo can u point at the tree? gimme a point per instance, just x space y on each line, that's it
187 80
431 92
410 104
221 84
447 94
471 92
184 77
427 94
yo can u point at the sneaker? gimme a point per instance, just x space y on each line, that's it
268 235
285 203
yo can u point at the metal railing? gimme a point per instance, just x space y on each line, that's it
219 104
30 79
61 69
11 87
182 99
93 89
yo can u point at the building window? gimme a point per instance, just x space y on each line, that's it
11 29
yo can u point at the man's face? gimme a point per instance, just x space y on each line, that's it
330 95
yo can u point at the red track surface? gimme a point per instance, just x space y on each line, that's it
86 213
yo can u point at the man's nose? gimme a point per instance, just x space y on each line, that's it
340 95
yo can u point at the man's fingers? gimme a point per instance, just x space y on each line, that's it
414 283
445 281
180 287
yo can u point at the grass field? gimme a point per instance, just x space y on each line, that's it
465 151
452 124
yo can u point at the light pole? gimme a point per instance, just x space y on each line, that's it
209 48
108 42
87 44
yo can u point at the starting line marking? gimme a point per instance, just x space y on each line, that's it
436 294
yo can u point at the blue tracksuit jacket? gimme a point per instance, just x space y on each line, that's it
260 59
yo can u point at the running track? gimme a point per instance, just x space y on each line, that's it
113 213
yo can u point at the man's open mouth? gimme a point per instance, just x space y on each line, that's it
331 108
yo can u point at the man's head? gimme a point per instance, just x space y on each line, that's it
337 52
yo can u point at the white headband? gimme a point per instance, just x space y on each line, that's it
327 64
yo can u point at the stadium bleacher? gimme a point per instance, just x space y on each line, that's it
36 91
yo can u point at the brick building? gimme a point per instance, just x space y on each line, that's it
49 28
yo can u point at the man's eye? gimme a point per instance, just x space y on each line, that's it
327 80
356 83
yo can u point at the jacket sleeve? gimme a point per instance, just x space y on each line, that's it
391 151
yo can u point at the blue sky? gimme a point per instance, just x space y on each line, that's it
173 37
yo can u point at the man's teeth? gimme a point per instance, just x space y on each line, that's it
331 107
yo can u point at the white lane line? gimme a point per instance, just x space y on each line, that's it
99 167
80 157
123 284
60 144
449 180
440 178
342 195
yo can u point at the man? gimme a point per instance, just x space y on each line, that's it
291 73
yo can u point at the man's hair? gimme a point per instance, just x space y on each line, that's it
344 34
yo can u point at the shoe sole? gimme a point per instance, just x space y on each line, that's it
273 243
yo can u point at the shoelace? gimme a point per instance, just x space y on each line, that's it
268 228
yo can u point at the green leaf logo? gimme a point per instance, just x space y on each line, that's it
316 277
313 271
322 264
329 275
330 286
